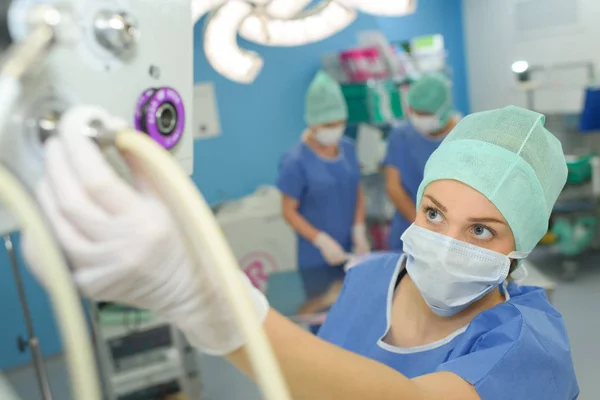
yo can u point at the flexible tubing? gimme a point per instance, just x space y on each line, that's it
6 390
63 295
10 90
195 218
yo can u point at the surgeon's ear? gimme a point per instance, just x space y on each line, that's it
513 266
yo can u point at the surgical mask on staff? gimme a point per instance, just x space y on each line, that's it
330 136
450 274
428 124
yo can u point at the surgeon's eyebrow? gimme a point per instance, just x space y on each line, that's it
487 220
437 203
475 220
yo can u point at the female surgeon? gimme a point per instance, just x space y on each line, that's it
440 321
411 144
320 181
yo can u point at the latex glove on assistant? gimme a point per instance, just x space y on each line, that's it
124 247
331 250
361 245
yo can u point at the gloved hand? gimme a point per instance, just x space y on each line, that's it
331 250
360 241
124 247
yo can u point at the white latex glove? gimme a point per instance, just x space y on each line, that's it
331 250
124 247
360 241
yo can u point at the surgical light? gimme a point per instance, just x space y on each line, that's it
275 8
518 67
277 23
389 8
311 26
521 70
220 43
286 9
201 7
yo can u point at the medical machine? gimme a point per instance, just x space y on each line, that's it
120 55
143 357
102 68
123 56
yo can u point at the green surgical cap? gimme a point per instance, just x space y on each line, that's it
325 102
431 94
509 157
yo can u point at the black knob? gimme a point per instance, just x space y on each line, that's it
22 344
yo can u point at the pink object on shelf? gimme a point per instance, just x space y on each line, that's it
379 233
363 64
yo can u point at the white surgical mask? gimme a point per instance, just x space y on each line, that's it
450 274
429 124
426 124
330 136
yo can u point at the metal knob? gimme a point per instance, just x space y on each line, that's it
43 118
47 125
116 32
99 133
166 118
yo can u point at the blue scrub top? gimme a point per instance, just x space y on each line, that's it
408 152
516 350
326 190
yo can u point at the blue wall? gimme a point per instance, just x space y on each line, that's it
259 122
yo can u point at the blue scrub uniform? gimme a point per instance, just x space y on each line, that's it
408 152
516 350
326 190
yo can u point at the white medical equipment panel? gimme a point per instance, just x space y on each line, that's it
133 58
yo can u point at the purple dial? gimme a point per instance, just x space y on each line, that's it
139 110
161 114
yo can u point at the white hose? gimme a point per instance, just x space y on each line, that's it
10 90
6 390
195 218
63 295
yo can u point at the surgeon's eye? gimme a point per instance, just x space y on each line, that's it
433 215
482 232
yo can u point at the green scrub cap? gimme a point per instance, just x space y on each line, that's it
325 102
512 159
432 94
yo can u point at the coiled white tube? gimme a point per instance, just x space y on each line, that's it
197 222
10 90
63 295
6 390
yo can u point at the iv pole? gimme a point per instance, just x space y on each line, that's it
32 340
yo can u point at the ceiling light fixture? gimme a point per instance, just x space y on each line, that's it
310 26
388 8
220 43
